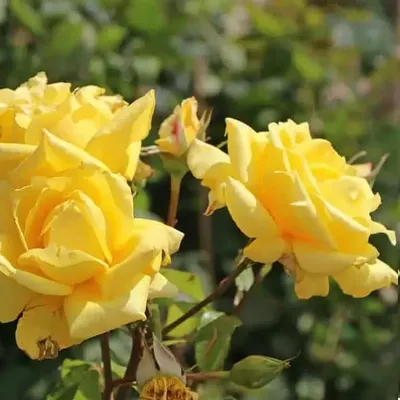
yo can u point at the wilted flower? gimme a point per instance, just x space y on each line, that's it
160 376
300 202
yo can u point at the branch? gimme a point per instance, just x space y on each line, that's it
220 289
105 356
130 373
206 376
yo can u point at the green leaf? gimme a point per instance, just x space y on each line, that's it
65 38
186 282
70 369
255 372
142 200
118 370
79 381
268 24
175 311
89 387
110 37
307 65
208 317
27 15
213 342
146 15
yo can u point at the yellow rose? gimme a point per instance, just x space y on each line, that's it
74 260
105 127
300 203
179 130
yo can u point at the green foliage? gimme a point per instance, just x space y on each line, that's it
187 282
79 381
192 291
213 339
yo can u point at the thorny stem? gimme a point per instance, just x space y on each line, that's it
130 373
105 355
176 180
219 290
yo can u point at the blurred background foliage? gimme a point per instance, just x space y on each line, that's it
332 63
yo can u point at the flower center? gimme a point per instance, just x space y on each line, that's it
166 388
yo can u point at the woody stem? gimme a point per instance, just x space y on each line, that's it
176 180
219 290
105 355
130 372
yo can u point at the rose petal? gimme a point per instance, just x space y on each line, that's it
289 203
32 281
43 319
14 298
377 227
240 138
64 265
11 155
67 225
312 285
121 276
265 250
317 260
202 156
88 314
162 287
12 243
361 281
52 157
159 236
118 143
247 212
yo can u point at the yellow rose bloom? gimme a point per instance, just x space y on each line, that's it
74 260
179 130
106 127
300 203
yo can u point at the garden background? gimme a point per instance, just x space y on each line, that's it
335 64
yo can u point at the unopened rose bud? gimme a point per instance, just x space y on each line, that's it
177 134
